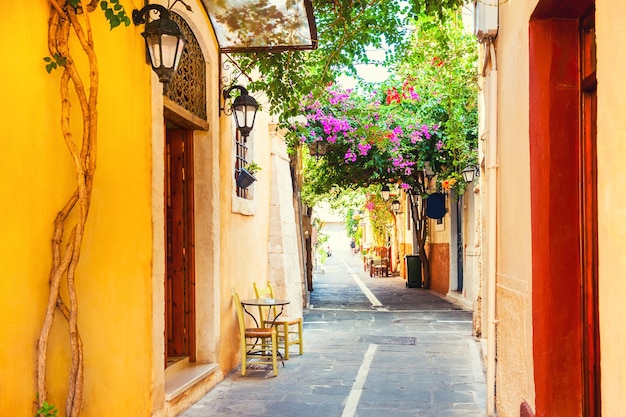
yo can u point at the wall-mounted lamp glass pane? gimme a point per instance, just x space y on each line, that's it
470 173
384 192
164 40
244 107
395 206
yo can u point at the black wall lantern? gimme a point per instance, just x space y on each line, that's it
245 107
384 192
395 207
470 173
164 40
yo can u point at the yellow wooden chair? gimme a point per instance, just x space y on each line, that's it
289 329
258 345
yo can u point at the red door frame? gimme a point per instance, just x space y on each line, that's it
589 220
557 207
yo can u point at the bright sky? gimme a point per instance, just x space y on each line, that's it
369 72
377 74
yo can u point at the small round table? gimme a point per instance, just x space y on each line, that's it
264 302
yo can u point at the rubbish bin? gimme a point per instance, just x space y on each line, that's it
413 271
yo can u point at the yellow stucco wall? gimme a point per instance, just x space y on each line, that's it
610 19
115 268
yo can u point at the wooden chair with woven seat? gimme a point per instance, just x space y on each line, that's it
258 345
381 268
289 328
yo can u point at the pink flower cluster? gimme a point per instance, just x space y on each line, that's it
364 148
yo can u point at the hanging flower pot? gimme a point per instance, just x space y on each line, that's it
244 178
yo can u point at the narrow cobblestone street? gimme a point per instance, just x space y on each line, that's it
373 348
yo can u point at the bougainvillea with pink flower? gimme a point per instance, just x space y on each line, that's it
382 136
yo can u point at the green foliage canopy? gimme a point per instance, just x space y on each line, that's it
346 30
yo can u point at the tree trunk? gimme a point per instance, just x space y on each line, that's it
420 227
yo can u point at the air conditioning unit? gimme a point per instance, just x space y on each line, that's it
485 19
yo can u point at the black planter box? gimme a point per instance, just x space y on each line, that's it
244 179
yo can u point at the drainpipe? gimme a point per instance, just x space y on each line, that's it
492 175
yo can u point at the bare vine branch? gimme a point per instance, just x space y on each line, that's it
66 20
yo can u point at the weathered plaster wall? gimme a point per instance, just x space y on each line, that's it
512 362
514 377
284 269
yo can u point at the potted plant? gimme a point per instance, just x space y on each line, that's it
245 175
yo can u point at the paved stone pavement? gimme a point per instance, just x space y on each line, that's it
372 348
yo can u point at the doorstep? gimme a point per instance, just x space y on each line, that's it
459 300
183 375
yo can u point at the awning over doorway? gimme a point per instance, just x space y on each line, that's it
265 25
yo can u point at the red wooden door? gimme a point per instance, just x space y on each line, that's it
179 283
564 209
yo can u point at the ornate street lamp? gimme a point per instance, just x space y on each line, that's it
164 41
245 107
395 207
470 173
384 192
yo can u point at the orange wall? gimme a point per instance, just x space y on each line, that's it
439 257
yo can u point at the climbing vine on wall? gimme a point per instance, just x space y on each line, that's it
69 22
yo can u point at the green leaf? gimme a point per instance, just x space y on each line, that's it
104 5
114 21
46 410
